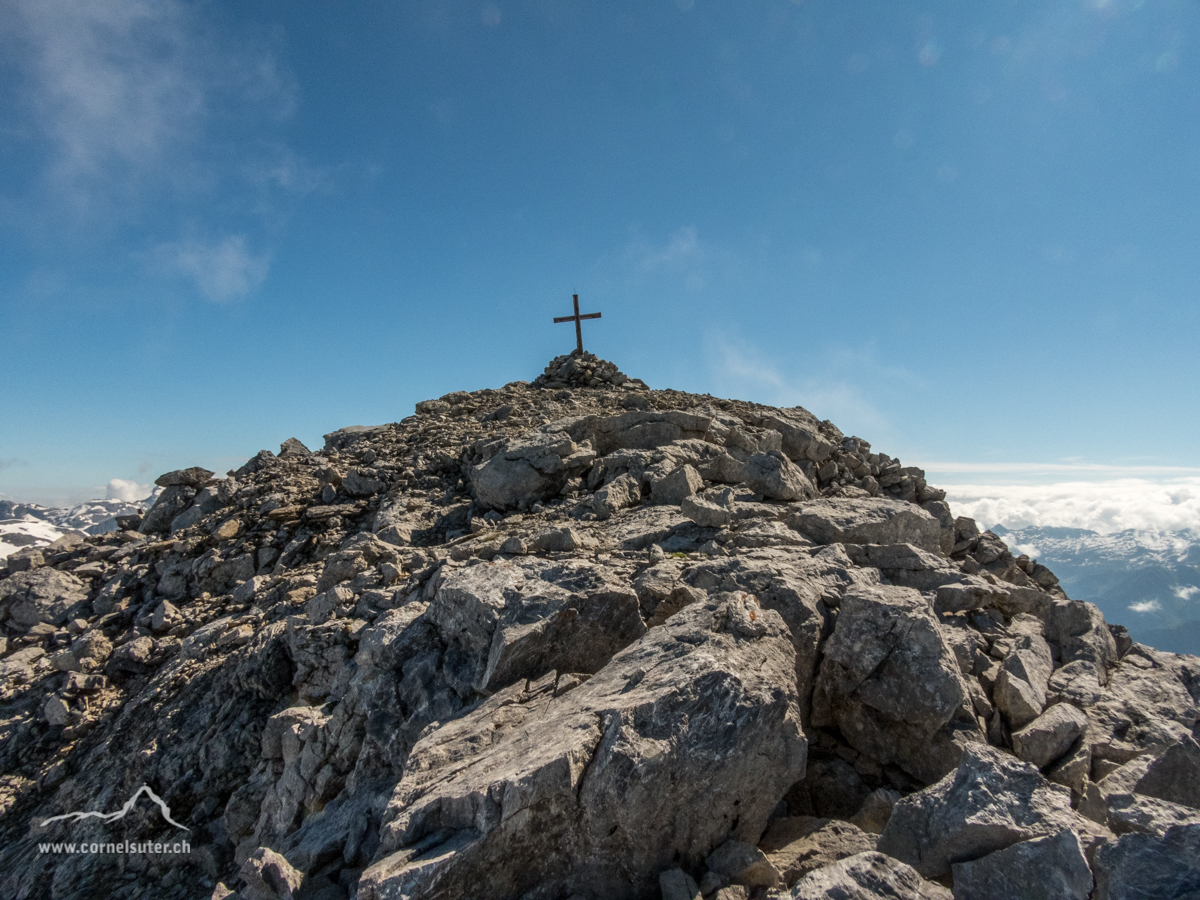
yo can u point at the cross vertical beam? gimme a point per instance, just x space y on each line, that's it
577 319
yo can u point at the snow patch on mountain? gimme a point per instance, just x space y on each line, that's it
32 525
1145 579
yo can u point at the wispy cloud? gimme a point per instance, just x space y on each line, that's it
223 269
1146 606
740 368
145 111
1169 504
1186 592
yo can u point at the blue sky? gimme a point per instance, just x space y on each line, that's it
965 232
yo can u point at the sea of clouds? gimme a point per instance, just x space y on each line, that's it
1115 504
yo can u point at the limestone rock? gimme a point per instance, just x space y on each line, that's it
867 521
865 876
40 595
891 684
799 845
597 784
990 802
1141 866
674 488
1136 812
1047 868
776 477
194 477
522 618
269 876
1050 735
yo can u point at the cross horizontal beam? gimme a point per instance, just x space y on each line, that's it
577 318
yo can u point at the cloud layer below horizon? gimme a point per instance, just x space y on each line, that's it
1168 504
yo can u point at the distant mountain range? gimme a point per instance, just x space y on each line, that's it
28 524
1148 581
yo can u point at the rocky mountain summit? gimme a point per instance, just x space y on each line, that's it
580 640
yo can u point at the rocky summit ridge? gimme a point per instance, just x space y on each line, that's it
580 640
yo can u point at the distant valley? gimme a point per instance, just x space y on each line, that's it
1148 581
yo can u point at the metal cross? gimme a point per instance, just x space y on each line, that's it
577 318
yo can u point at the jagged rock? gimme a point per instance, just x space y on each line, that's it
523 617
1135 812
1046 868
269 876
1023 679
705 512
194 477
799 845
776 477
1050 735
865 876
891 685
525 472
613 802
867 521
40 595
1173 775
620 493
743 864
293 447
1138 866
990 802
170 503
675 487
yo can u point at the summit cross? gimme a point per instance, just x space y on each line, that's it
577 318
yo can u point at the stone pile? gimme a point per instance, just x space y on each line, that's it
580 640
584 369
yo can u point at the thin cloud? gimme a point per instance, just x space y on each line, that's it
138 104
1186 592
740 368
1146 606
223 270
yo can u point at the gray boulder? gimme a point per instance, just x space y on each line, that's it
40 595
1020 691
520 618
621 493
675 487
890 683
686 738
1145 866
990 802
1050 735
776 477
865 876
1149 815
362 483
802 844
867 521
194 477
1172 774
170 503
1047 868
705 513
527 470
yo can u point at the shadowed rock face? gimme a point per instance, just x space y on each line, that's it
579 638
